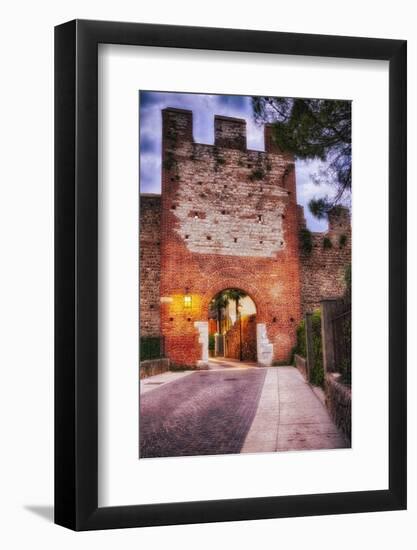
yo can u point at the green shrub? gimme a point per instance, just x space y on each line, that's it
150 347
316 372
292 358
306 242
300 348
211 344
346 372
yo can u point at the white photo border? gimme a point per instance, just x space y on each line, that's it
123 479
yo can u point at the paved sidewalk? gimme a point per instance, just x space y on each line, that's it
290 417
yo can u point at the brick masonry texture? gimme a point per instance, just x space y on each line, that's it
150 264
248 339
228 219
151 367
323 269
339 403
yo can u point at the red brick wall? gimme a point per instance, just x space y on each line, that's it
229 219
248 339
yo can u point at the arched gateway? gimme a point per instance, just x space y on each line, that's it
232 325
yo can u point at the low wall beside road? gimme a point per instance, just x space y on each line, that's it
150 367
339 403
301 365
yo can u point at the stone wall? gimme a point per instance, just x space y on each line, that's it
232 339
150 264
229 220
301 364
323 268
151 367
339 403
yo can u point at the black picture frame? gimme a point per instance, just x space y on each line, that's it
76 272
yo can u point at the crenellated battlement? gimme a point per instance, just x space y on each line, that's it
177 123
229 132
339 219
224 199
324 258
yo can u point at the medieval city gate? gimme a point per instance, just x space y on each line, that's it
228 220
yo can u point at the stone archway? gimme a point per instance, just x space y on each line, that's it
185 325
219 280
264 348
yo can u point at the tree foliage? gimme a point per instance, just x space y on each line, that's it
317 370
313 129
236 295
218 303
221 300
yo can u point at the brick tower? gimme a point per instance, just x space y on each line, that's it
228 220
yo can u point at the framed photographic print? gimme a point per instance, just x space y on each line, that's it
230 275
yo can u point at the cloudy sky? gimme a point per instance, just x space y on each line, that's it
204 108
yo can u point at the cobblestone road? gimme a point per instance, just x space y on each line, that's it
208 412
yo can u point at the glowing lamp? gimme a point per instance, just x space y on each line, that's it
188 302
